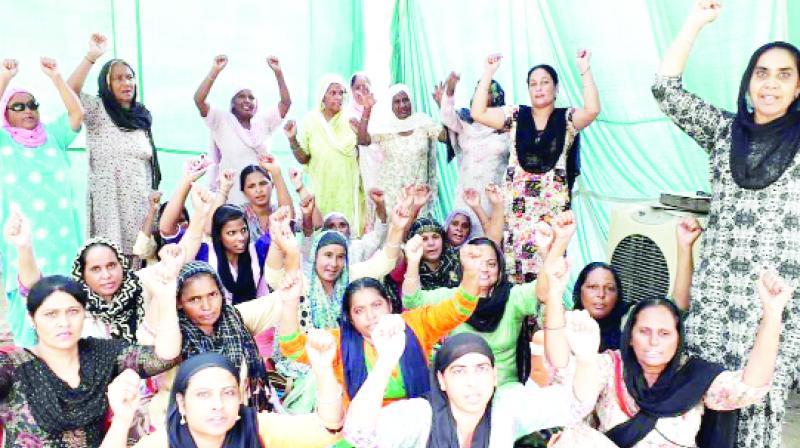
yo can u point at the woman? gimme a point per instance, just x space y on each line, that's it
459 227
462 225
256 183
598 290
753 169
653 395
463 409
544 157
369 156
54 393
327 146
205 408
38 152
438 266
123 161
406 140
482 151
240 135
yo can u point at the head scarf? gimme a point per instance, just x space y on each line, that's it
679 388
244 433
412 364
32 138
497 98
333 215
244 288
443 425
760 153
611 325
231 339
448 273
126 309
538 152
386 122
128 119
450 219
323 311
356 109
337 130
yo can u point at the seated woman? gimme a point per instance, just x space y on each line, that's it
438 265
54 393
205 408
463 409
650 381
365 302
462 225
36 175
256 183
598 290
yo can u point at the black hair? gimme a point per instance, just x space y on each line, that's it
361 284
588 269
46 286
548 68
744 85
250 169
244 287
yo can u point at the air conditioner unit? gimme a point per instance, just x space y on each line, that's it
642 244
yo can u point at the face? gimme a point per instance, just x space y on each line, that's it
774 84
210 404
469 382
25 119
244 104
541 88
59 321
339 224
122 84
235 236
431 246
201 300
458 230
489 268
330 262
102 271
366 308
334 97
257 189
401 105
599 293
361 89
654 337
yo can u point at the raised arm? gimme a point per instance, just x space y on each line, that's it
472 198
774 293
321 351
220 61
8 70
312 217
123 399
171 216
583 117
286 101
557 270
268 162
97 47
688 230
363 125
401 219
448 105
290 129
413 258
68 97
583 334
162 286
703 12
17 232
201 203
154 202
493 117
494 231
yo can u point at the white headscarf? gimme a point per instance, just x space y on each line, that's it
345 142
386 122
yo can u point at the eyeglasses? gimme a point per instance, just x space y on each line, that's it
19 107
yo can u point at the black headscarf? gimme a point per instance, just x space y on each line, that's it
679 388
244 433
497 98
611 325
448 273
244 287
777 140
443 426
128 119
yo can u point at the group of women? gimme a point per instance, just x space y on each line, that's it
385 327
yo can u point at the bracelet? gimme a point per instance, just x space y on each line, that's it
585 71
90 61
563 326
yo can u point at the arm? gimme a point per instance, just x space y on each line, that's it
201 202
269 163
377 197
162 286
168 223
413 257
688 231
557 270
591 99
472 198
286 101
493 117
97 46
321 349
8 69
299 153
68 97
494 230
363 125
17 232
123 399
448 107
703 13
154 199
220 61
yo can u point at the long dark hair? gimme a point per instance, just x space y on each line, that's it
46 286
244 287
610 326
250 169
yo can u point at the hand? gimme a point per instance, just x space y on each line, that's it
414 249
471 197
123 395
471 259
492 63
320 348
292 288
557 272
438 93
275 64
564 225
290 129
422 194
354 125
389 339
774 293
452 80
17 230
227 178
268 162
296 177
49 67
202 200
98 44
8 69
704 12
172 260
494 194
688 230
154 199
307 203
194 168
543 237
220 62
583 334
280 231
377 196
583 57
401 215
369 101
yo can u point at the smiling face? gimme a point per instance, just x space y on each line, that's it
210 403
330 262
25 118
333 99
257 189
367 306
469 382
59 321
401 105
774 84
102 270
541 88
458 230
655 337
235 236
489 270
599 293
432 246
201 300
244 104
122 83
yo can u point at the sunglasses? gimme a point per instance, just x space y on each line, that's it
19 107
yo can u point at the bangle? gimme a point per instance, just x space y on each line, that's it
90 61
563 326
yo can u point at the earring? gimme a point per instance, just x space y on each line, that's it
183 419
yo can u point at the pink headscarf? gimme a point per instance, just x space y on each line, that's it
30 138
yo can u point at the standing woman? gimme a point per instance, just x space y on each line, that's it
544 155
242 133
369 156
755 182
36 151
123 162
327 146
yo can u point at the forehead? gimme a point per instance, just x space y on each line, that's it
211 378
255 176
100 254
20 97
361 80
335 249
199 285
469 360
120 69
777 58
365 296
487 252
336 222
426 235
655 317
234 224
59 300
599 275
400 96
459 219
244 93
540 74
334 88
